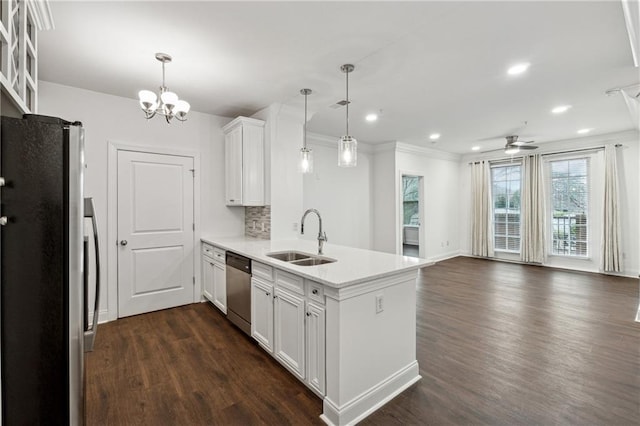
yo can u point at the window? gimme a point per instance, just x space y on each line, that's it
410 188
505 181
569 206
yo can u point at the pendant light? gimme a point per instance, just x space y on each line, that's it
347 146
306 154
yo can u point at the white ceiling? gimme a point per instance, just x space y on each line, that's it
429 66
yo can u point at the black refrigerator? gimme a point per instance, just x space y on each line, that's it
44 304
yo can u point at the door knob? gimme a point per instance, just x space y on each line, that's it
3 220
123 242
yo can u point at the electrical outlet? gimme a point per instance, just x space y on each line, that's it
379 304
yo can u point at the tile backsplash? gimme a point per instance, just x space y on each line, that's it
257 222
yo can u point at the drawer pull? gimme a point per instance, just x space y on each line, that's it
315 291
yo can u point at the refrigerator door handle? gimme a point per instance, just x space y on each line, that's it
90 332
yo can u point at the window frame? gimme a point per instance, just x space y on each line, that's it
589 158
506 235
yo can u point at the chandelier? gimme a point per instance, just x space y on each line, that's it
169 105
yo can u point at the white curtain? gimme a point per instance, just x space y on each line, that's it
481 235
532 211
611 251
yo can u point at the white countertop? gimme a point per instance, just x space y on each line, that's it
353 265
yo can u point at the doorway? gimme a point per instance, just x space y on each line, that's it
412 209
155 226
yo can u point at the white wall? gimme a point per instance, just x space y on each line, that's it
385 205
108 118
283 138
441 227
342 195
628 168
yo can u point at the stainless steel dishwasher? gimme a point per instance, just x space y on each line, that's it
239 291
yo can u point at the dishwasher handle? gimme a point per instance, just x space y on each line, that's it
239 262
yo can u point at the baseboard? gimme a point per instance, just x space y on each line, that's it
369 401
444 256
626 274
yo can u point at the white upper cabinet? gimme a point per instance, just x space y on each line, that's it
20 21
244 162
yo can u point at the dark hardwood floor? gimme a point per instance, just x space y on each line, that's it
497 343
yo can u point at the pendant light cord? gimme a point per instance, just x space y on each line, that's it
304 139
347 74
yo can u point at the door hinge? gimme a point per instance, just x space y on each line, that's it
193 226
194 280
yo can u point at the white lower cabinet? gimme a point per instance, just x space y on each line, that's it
220 286
262 313
289 330
290 323
214 276
207 277
315 330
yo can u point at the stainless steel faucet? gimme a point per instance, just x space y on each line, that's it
322 236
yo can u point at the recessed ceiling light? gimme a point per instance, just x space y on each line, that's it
434 136
560 109
584 131
371 117
518 68
475 148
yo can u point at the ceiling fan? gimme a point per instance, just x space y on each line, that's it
514 146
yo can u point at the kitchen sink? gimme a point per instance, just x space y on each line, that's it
288 256
312 261
300 258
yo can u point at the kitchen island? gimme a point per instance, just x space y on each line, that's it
347 329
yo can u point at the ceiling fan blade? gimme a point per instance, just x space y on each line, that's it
521 143
528 147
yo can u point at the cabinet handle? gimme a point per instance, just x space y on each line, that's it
268 294
3 220
308 314
275 297
315 291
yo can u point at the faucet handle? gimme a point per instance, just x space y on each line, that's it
324 237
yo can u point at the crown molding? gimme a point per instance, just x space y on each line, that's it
332 142
426 152
585 142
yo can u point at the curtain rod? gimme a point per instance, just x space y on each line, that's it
595 148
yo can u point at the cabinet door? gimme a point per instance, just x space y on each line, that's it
220 286
207 278
289 331
315 329
233 166
262 313
252 165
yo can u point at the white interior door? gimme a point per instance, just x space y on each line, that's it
155 232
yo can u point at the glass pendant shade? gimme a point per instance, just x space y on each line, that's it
169 99
306 160
347 152
148 100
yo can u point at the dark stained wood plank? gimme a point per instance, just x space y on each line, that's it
497 343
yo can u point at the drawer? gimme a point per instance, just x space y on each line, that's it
315 291
262 271
290 282
207 249
219 255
